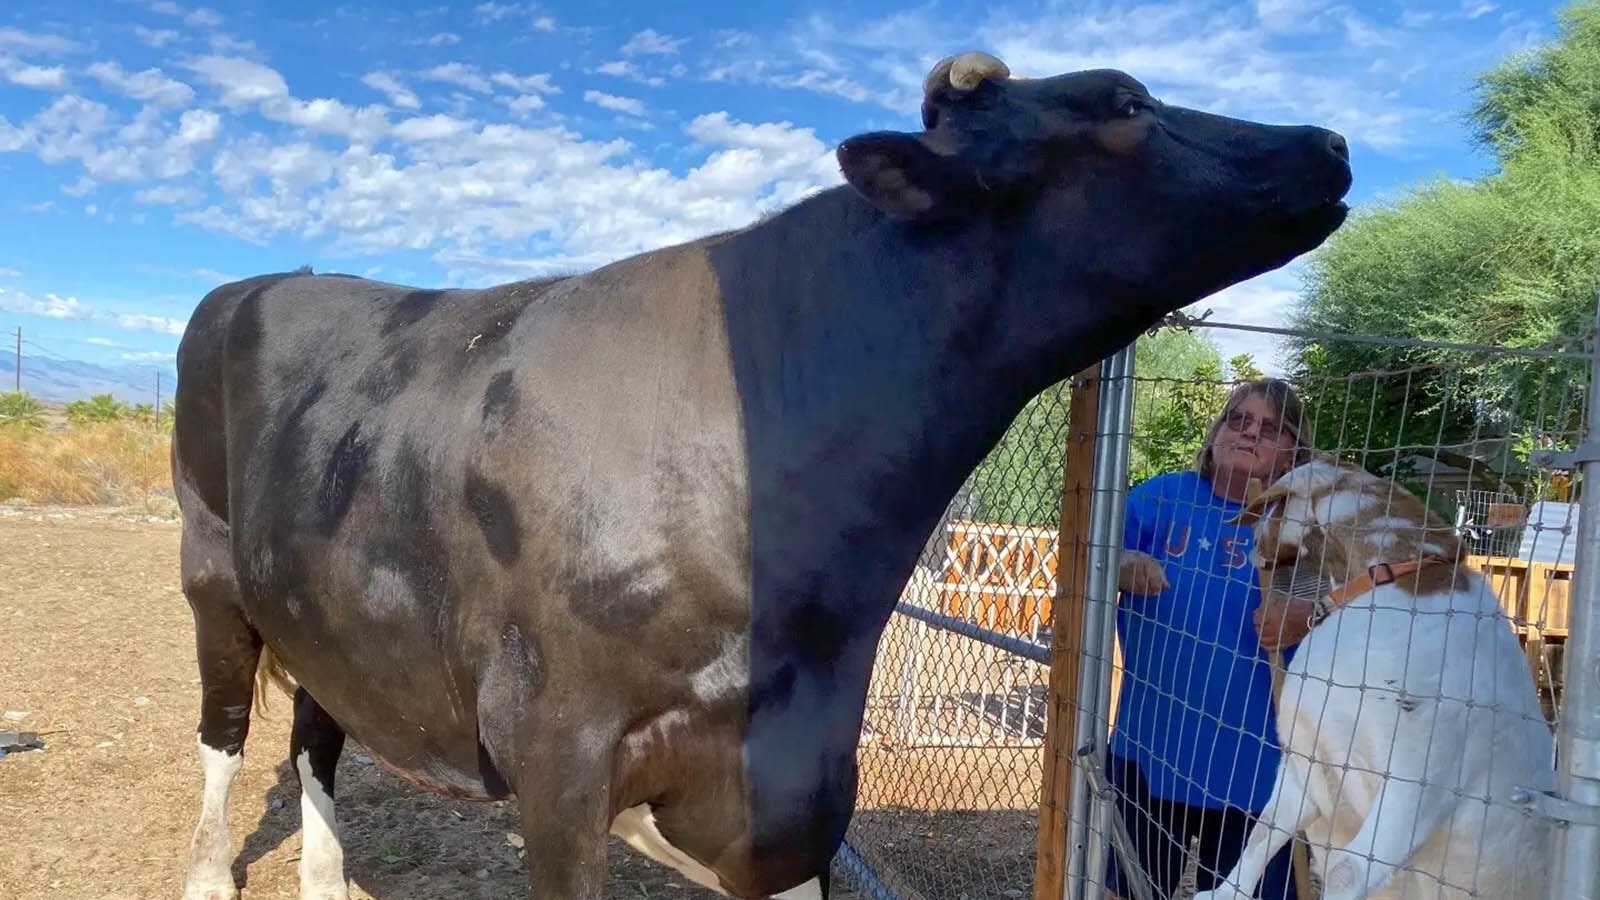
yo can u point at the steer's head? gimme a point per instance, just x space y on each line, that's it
1126 196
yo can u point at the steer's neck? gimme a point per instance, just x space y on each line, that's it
876 365
872 379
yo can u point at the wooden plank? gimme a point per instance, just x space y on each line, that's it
1066 637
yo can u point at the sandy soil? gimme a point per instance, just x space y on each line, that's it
96 655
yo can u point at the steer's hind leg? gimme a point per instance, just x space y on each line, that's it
314 746
227 650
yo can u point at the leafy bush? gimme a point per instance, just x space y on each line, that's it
20 410
99 408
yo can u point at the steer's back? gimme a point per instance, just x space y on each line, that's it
407 476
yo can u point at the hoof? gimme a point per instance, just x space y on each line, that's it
211 892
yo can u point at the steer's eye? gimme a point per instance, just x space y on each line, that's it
1131 108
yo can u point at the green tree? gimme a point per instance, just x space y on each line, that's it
1178 391
1243 367
1512 259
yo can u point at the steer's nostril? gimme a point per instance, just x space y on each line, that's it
1338 146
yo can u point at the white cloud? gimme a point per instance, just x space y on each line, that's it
198 126
199 17
153 37
526 84
1288 15
651 42
393 88
146 146
47 78
627 105
544 23
158 324
824 83
169 195
622 68
431 128
522 105
226 44
494 12
242 82
203 18
49 306
33 42
443 38
149 85
245 83
9 273
460 75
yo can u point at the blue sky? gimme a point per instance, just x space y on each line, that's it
150 150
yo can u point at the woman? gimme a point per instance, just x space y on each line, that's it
1193 751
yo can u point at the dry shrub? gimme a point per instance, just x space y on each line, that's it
119 463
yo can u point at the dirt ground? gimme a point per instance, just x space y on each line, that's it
96 655
96 647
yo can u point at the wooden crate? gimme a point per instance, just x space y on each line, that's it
1536 595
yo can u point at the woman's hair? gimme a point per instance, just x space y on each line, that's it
1291 418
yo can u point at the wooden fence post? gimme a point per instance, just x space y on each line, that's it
1066 636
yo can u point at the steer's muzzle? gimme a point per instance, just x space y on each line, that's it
1323 176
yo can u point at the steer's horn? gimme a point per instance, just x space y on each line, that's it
964 72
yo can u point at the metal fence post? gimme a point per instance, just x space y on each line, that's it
1087 841
1577 846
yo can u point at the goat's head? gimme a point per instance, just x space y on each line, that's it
1327 521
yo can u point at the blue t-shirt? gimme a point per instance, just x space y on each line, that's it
1195 709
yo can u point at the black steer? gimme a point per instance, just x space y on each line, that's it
622 544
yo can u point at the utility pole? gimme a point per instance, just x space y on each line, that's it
158 395
19 359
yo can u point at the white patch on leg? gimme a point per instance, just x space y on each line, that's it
321 857
637 826
210 875
811 890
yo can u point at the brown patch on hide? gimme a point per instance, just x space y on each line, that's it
1396 528
1122 136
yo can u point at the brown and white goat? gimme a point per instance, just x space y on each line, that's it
1408 716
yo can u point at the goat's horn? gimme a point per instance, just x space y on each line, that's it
964 72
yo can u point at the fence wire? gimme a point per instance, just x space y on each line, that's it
954 747
1436 696
951 751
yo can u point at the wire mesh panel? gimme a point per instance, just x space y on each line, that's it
1340 594
950 756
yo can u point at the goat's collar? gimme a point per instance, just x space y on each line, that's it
1381 574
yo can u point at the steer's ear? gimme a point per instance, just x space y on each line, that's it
900 175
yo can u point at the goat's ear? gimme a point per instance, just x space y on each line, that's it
1259 501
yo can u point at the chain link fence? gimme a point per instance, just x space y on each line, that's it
1443 711
969 753
948 804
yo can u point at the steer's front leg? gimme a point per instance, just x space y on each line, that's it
565 801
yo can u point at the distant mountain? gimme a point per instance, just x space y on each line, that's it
64 380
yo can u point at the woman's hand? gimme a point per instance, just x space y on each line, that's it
1283 621
1139 573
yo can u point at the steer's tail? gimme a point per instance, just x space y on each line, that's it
270 670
